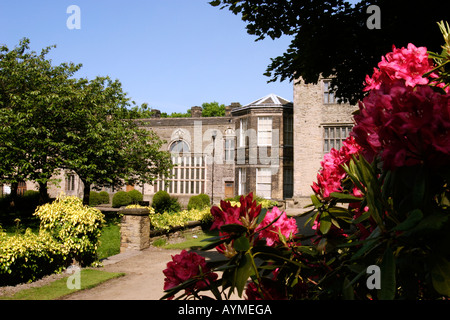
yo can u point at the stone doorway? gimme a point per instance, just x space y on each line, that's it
229 189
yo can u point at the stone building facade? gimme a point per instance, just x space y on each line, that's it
319 125
271 146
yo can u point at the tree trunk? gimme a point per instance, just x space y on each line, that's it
43 193
86 192
13 195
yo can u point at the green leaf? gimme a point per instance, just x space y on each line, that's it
262 215
388 282
316 201
241 244
233 228
345 197
440 276
433 221
413 218
325 222
347 290
242 273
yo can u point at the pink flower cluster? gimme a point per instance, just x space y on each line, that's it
284 225
247 215
330 176
403 119
407 65
185 266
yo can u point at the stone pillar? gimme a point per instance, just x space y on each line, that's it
196 112
134 229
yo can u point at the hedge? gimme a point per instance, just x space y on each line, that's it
199 201
68 231
27 257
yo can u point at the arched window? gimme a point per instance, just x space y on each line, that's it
179 147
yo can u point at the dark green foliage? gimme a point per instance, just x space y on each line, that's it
120 199
104 197
135 196
163 202
316 26
94 199
199 201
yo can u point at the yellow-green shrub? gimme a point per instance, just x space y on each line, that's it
166 220
75 226
30 256
137 206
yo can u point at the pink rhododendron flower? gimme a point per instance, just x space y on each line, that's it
330 176
185 266
246 214
405 64
403 119
407 126
284 225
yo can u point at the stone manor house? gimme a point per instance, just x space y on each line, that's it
271 147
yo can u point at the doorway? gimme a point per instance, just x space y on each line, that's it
229 189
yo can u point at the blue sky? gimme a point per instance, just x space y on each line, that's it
172 54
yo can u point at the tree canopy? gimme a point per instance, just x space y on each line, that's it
52 121
331 38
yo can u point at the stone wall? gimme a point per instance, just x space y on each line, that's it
311 115
134 229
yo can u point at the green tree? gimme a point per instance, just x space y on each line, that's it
331 38
102 147
35 98
52 121
213 109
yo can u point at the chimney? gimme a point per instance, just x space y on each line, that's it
230 108
156 113
196 112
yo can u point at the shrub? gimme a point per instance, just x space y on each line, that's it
120 199
135 196
28 257
94 198
137 206
163 202
265 203
104 197
75 226
199 201
166 221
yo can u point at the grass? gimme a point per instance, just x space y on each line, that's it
89 278
190 241
109 241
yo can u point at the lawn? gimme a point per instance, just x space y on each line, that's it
109 240
89 278
192 240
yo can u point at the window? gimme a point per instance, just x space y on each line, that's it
188 176
242 132
21 188
288 182
242 181
70 182
264 182
328 97
179 146
229 150
264 131
288 130
333 137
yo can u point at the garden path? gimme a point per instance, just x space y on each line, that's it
144 279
